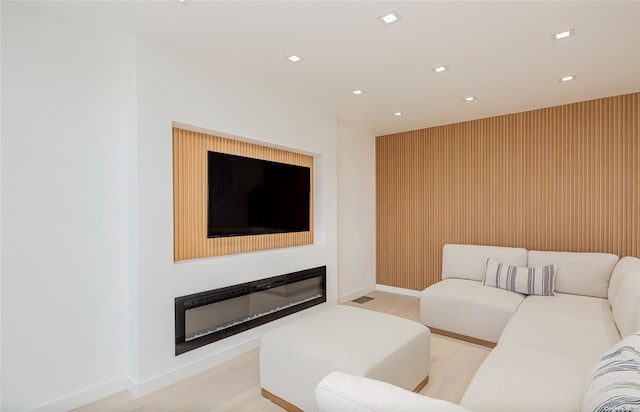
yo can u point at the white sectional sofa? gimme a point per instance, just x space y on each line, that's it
545 346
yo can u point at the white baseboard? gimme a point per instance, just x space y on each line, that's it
139 389
87 396
400 291
355 294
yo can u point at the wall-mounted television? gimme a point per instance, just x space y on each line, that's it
250 196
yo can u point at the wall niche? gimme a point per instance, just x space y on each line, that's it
191 197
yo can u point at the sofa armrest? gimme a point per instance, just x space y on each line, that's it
342 392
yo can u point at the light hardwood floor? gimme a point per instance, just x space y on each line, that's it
235 385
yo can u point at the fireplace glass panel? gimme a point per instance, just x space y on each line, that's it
281 297
207 319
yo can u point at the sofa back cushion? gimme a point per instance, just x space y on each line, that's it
586 274
625 265
624 295
468 261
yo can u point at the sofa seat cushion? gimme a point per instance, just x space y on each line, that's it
468 308
586 307
523 378
561 334
571 325
545 355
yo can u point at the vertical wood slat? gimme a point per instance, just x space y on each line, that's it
190 197
560 178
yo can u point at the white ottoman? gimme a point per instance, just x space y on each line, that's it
295 357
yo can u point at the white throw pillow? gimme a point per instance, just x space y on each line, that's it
528 281
614 384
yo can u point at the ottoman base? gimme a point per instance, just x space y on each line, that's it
421 385
280 402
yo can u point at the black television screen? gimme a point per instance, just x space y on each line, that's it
251 196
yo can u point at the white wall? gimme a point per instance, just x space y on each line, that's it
0 213
172 88
356 212
64 220
88 279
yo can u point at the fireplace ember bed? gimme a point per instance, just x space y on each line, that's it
206 317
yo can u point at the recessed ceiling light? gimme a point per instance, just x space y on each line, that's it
357 92
398 114
563 34
469 99
390 17
440 69
567 78
294 59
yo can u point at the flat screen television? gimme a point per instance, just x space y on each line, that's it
251 196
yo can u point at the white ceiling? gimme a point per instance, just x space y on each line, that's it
499 52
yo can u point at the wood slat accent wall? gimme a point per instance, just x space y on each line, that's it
562 178
190 196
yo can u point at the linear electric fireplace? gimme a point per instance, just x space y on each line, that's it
209 316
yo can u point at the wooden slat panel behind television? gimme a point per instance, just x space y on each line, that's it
190 197
560 178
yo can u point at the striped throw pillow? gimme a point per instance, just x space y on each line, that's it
614 384
528 281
